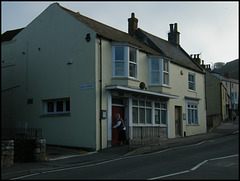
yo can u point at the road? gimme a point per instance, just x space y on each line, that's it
212 159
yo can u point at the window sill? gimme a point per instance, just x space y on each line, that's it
125 78
193 124
194 91
149 125
165 86
55 115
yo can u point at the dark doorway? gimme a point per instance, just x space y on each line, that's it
120 110
178 121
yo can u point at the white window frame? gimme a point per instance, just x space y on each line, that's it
152 108
64 111
192 82
160 109
126 62
192 109
160 70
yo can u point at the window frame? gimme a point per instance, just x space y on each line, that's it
160 70
64 109
192 82
126 62
149 107
192 113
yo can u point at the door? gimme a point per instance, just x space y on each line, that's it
177 121
120 110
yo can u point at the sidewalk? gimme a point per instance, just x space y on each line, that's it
58 157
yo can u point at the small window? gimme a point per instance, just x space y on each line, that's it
57 106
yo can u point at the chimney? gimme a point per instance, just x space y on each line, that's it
197 59
132 24
173 35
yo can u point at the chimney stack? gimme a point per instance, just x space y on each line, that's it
173 35
132 24
196 58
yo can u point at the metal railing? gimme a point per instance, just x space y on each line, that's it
21 133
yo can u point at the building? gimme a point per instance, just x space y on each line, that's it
69 75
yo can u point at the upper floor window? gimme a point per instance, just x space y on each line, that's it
159 71
125 62
191 81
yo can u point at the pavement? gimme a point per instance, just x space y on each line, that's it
59 157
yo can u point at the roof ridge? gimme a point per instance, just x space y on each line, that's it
81 15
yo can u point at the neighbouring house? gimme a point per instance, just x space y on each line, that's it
69 75
230 96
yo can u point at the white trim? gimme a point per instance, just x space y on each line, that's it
141 91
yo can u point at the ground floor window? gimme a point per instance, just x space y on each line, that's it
160 113
192 113
142 111
57 106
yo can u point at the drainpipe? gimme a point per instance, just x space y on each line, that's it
100 82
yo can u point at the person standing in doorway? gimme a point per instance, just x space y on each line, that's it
121 129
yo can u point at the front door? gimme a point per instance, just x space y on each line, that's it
177 121
120 110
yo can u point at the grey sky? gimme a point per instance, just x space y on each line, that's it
209 28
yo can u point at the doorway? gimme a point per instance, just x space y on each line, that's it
120 110
178 110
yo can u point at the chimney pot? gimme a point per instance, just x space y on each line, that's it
175 27
171 28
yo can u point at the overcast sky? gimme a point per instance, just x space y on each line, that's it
207 28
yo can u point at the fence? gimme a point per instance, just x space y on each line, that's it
21 133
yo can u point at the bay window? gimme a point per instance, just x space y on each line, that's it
125 62
159 71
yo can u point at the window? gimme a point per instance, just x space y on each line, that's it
125 61
159 71
191 81
58 106
142 112
160 113
132 63
119 61
165 72
192 113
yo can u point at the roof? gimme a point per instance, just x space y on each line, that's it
9 35
109 32
176 53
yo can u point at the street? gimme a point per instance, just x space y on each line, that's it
211 159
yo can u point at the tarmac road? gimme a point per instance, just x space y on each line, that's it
186 162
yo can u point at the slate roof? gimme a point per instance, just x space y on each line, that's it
9 35
109 32
176 53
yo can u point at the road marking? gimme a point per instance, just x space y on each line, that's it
24 176
198 165
194 168
169 175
